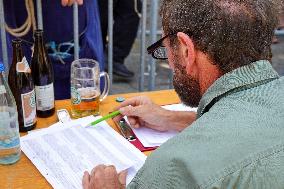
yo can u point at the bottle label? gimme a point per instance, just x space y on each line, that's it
2 89
23 66
44 97
29 108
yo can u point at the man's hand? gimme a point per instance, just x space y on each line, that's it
70 2
105 177
142 112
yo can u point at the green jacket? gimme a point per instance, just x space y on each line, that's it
236 142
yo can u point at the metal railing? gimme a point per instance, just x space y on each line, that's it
110 41
153 39
153 32
39 15
143 46
75 30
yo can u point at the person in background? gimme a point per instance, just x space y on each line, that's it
58 33
281 18
126 15
219 51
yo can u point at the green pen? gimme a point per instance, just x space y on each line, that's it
111 115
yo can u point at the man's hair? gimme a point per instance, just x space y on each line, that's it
233 33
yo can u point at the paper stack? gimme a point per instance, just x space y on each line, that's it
63 152
150 138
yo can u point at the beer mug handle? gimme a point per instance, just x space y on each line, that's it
106 87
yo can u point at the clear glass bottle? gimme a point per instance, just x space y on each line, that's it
9 127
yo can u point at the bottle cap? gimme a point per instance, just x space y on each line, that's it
2 68
120 99
16 42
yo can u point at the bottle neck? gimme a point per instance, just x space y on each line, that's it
39 44
17 53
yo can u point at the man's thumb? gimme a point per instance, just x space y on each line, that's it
122 177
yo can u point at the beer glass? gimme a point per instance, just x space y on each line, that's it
85 87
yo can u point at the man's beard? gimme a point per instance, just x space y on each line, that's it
187 88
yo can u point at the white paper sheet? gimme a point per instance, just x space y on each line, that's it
149 137
63 153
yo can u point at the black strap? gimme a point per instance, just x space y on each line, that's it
238 89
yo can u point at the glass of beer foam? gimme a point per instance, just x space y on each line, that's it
86 87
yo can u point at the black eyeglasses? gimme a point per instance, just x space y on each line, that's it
158 50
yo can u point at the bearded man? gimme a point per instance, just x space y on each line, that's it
219 51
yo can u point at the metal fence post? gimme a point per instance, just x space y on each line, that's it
153 38
171 80
110 40
3 38
39 15
76 31
143 46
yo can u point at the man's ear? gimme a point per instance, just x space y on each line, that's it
187 52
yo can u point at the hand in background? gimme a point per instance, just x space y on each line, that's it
142 112
70 2
103 176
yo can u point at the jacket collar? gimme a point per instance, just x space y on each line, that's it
254 73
